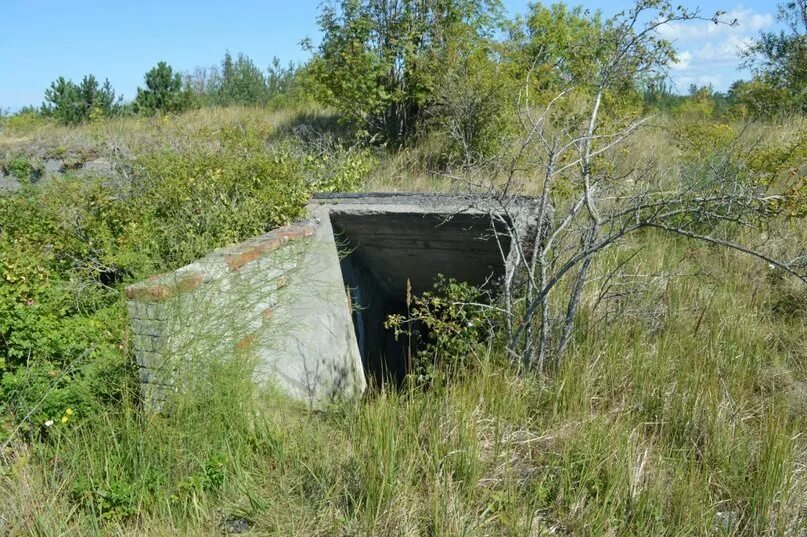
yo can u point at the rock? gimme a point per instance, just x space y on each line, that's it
726 521
99 167
53 167
236 524
8 183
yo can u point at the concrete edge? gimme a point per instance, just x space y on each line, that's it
218 263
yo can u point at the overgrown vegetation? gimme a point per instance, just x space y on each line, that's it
68 247
671 393
779 63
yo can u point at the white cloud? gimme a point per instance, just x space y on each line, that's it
682 83
708 53
684 59
723 52
747 22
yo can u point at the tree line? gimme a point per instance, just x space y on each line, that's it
236 81
393 68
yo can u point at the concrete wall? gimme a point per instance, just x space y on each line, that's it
277 299
283 301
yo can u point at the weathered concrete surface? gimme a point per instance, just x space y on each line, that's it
306 303
311 350
276 300
415 236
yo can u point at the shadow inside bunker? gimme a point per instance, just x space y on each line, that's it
380 267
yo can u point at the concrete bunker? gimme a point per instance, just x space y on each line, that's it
394 244
307 302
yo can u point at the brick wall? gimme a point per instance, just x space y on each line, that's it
247 299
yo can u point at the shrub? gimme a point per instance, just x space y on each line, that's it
378 63
447 326
471 104
283 84
25 121
778 60
242 82
193 202
21 167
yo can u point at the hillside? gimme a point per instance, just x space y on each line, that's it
639 369
688 415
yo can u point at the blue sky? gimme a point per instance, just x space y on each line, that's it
43 39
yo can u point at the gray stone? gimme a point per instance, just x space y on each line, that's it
53 166
9 183
100 167
236 524
51 169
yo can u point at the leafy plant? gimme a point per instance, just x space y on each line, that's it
378 62
20 167
25 121
447 325
779 61
242 83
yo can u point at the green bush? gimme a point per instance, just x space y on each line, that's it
68 247
242 83
778 60
378 65
24 122
447 326
20 167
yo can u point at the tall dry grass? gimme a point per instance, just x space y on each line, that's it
685 422
680 410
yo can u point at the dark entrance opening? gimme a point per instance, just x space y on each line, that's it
385 251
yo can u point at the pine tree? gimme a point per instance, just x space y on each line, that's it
71 103
241 82
164 92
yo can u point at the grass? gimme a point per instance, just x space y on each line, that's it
682 416
691 429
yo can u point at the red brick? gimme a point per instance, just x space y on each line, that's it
276 237
246 343
236 261
188 282
286 235
156 293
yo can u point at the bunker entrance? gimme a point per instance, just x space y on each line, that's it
384 252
